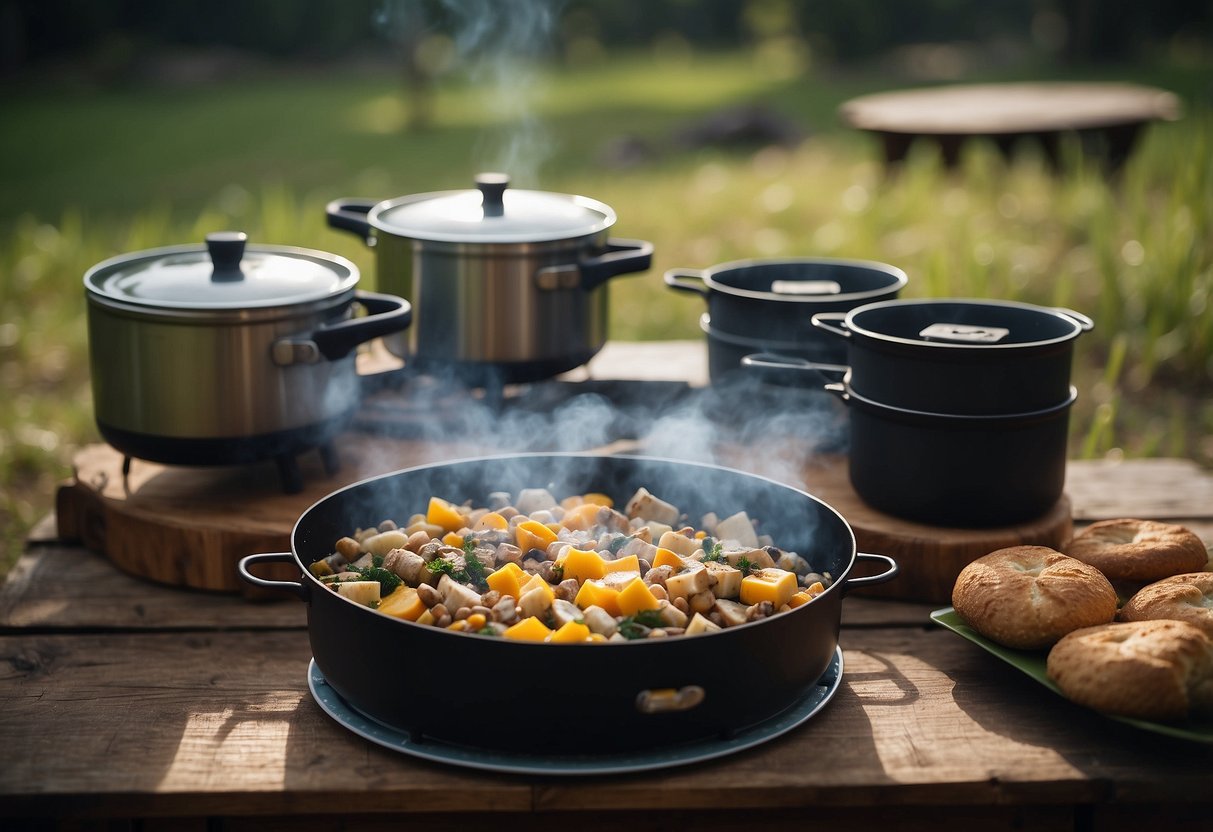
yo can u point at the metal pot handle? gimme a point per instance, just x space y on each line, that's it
822 320
1085 323
388 315
622 257
297 589
872 580
350 214
674 279
771 361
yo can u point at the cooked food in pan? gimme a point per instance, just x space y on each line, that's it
532 568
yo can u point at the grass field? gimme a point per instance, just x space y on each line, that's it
89 174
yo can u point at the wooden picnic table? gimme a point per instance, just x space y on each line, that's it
134 705
1107 117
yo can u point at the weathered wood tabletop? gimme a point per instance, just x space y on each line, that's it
1006 113
167 708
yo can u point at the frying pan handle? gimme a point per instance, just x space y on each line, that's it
872 580
675 279
621 257
295 588
350 214
1082 320
825 321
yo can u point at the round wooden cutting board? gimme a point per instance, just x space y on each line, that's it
188 527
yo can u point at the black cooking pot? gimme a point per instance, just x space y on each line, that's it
571 698
726 351
775 300
944 469
508 285
968 357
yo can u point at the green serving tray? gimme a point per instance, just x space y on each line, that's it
1032 662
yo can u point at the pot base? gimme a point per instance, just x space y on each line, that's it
590 763
281 446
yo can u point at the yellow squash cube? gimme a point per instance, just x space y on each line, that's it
774 585
533 582
636 597
593 593
441 513
580 517
508 580
529 629
631 563
570 633
403 602
582 565
492 520
452 539
598 499
665 557
531 534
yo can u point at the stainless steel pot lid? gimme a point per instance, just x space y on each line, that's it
492 213
224 273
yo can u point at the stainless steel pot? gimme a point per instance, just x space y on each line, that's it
222 354
508 285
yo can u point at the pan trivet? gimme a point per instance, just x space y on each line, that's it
799 712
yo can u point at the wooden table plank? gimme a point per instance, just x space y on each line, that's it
166 724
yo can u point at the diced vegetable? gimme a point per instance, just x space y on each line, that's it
443 514
774 585
635 597
529 629
582 564
538 570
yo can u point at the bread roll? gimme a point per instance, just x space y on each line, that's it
1179 598
1139 550
1027 597
1159 670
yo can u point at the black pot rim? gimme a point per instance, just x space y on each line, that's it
710 279
844 390
315 585
880 339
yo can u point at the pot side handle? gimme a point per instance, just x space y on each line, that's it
826 320
388 314
297 589
1085 323
676 280
872 580
350 214
621 257
771 361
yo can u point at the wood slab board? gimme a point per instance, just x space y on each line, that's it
188 527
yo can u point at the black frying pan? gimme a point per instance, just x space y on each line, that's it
568 698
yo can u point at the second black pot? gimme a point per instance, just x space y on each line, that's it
967 471
775 300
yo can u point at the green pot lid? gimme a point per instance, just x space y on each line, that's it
492 213
225 273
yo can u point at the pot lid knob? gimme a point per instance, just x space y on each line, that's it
226 249
492 186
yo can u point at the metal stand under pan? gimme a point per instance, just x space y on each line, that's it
659 757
